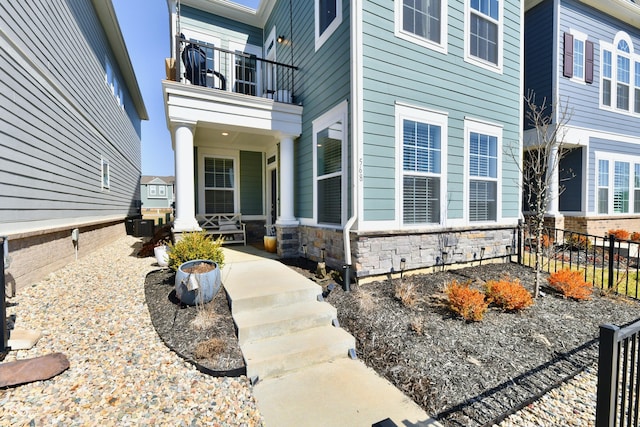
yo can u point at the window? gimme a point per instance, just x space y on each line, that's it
620 76
329 142
578 57
162 191
246 73
603 186
112 81
618 179
483 143
152 191
219 190
621 187
156 191
105 174
421 149
328 18
636 188
423 22
484 33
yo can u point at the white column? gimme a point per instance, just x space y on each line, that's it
554 182
286 182
185 216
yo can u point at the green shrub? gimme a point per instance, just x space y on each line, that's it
196 245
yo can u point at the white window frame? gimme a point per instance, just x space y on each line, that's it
634 62
414 38
472 125
497 68
614 158
105 174
337 113
204 153
152 191
113 83
162 191
432 117
251 50
579 37
320 39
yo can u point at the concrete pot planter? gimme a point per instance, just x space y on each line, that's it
162 255
195 286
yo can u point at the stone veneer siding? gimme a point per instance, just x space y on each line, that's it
36 254
380 253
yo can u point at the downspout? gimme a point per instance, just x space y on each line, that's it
356 132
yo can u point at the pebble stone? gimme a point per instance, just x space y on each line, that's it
93 310
573 404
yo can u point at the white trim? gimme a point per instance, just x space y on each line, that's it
634 60
612 158
104 164
321 38
432 117
335 114
496 68
207 152
484 128
413 38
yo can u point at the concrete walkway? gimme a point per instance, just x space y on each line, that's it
334 391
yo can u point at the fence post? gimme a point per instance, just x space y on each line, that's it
607 376
4 332
519 242
612 242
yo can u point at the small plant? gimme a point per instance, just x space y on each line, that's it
468 303
417 325
196 245
635 236
578 241
546 241
406 293
619 234
570 284
508 294
209 349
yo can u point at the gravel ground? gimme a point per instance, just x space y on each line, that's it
121 372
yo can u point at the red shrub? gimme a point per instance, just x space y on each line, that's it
619 234
468 303
570 284
508 294
635 236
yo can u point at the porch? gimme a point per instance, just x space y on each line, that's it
233 125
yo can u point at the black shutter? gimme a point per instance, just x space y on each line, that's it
568 55
588 62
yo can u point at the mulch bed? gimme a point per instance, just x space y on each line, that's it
178 325
465 374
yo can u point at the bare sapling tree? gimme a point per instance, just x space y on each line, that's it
540 168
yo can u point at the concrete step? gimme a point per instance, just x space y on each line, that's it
273 321
276 356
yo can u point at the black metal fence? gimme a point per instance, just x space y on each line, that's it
618 396
203 64
609 263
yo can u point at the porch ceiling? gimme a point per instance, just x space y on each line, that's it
247 119
209 134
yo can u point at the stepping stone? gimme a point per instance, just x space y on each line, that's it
30 370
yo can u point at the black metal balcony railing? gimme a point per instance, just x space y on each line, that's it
203 64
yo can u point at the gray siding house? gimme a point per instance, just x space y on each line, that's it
70 119
365 132
584 54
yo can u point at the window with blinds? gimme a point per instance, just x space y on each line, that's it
421 164
219 190
483 172
328 147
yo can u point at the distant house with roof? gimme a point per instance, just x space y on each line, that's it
585 54
367 133
71 128
157 194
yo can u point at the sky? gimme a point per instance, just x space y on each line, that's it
145 28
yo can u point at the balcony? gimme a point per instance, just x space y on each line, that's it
204 65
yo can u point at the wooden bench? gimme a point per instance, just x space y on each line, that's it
228 226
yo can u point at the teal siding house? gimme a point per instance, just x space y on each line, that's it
368 134
156 194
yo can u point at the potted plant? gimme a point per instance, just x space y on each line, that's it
197 260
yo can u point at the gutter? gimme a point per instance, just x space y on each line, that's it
356 132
